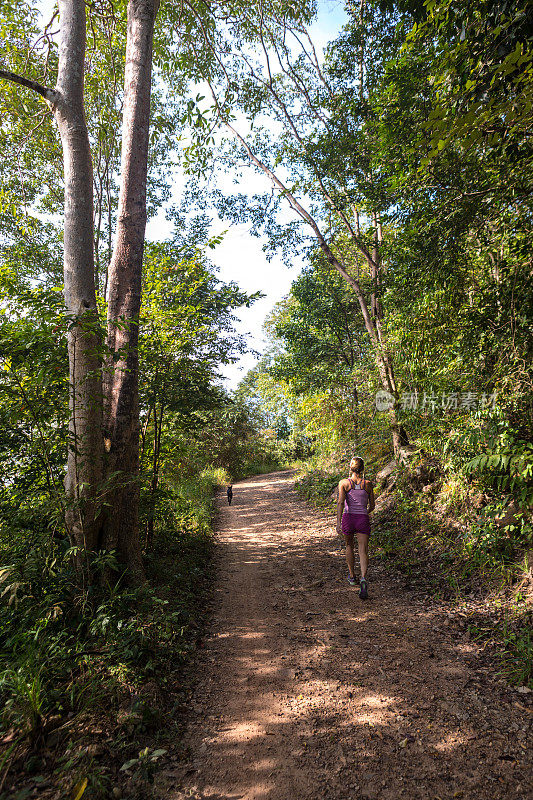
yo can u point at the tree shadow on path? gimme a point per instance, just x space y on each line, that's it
306 692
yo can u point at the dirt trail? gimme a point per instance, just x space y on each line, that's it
306 692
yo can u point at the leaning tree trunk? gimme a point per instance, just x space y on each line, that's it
382 357
124 295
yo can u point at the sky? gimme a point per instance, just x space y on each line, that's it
240 257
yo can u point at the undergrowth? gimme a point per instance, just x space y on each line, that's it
88 681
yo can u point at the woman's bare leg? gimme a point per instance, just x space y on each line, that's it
350 558
362 541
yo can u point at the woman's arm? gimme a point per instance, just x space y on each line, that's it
372 502
340 504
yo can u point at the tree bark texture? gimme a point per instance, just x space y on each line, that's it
121 379
83 481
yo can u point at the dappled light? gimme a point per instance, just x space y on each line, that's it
306 692
244 244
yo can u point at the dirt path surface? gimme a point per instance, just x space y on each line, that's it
304 691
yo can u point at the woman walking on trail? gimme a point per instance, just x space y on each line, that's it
356 500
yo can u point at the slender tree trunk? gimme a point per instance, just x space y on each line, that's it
383 359
382 356
83 482
158 426
144 430
124 293
85 451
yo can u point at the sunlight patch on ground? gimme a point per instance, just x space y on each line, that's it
376 701
265 763
450 742
244 730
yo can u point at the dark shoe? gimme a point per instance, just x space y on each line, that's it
351 580
363 591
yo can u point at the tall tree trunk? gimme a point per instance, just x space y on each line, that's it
85 452
124 294
382 356
375 265
83 482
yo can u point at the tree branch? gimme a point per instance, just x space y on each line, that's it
49 94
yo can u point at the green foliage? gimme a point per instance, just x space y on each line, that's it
33 400
517 658
319 324
26 699
509 462
317 379
65 656
318 486
145 763
426 119
186 335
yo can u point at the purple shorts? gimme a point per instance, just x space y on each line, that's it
355 523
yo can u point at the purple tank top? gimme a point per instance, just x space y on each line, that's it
356 501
